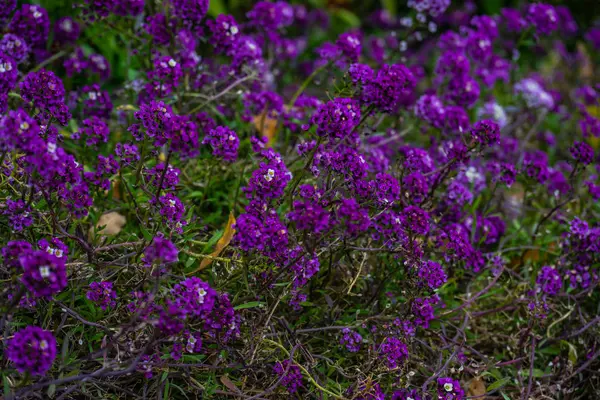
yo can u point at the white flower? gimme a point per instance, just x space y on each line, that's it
45 271
172 63
448 387
269 175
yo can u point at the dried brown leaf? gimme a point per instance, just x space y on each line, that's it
222 243
112 223
476 387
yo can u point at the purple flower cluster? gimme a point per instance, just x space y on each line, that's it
103 294
32 350
224 142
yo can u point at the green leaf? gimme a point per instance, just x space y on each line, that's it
251 304
348 17
497 384
391 6
216 7
572 351
505 396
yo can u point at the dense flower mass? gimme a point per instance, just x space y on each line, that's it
299 199
32 350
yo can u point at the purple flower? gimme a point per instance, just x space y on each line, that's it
310 216
430 108
43 274
513 20
543 17
432 275
99 65
350 46
422 309
55 247
394 352
225 32
582 152
94 131
432 7
534 94
268 181
13 251
160 251
463 90
391 85
224 142
19 214
548 281
103 294
449 389
165 76
271 16
8 73
406 394
486 132
6 9
337 118
194 297
352 217
415 219
31 22
292 377
47 92
171 176
32 350
352 340
14 47
66 30
96 102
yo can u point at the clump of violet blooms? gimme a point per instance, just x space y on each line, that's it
267 201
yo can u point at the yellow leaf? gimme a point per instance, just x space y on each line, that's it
476 388
222 243
266 126
594 111
111 222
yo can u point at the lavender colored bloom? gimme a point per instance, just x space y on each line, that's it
47 92
19 214
14 47
486 25
103 294
128 7
405 394
337 118
486 132
225 32
349 44
157 120
292 377
360 73
582 152
543 17
194 297
32 350
432 275
453 63
494 111
351 340
463 90
415 219
479 46
534 94
66 30
389 87
513 20
43 274
548 281
430 108
271 16
171 176
269 180
6 9
224 142
449 389
13 251
394 352
31 22
310 216
165 76
456 119
94 131
99 65
8 73
160 251
96 102
354 219
422 309
432 7
55 247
